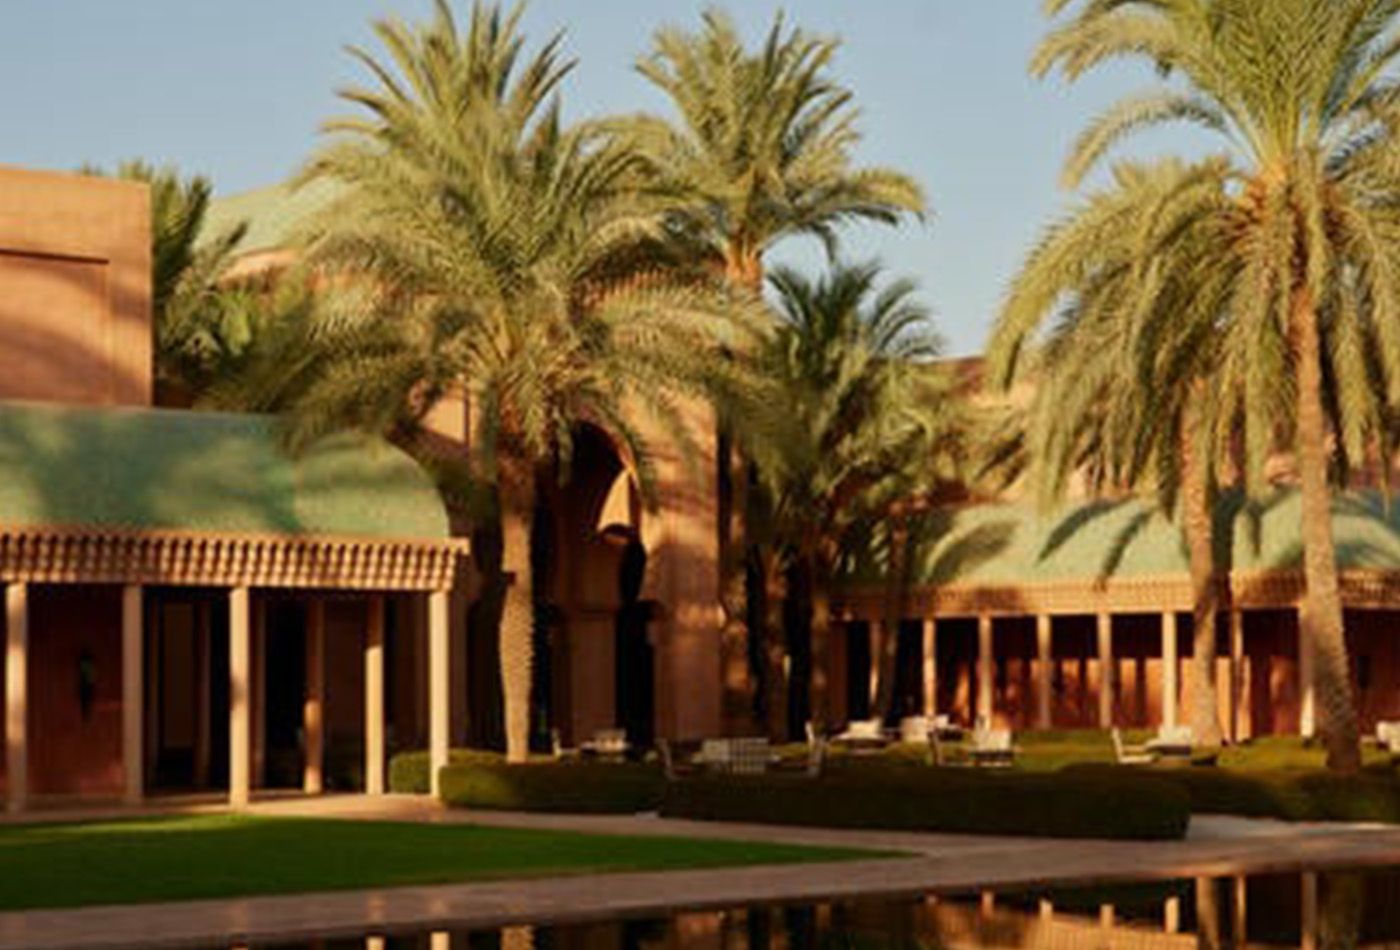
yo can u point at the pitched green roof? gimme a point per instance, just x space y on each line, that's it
1008 545
272 214
124 468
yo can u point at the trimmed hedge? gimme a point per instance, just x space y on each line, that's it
408 771
598 788
1129 806
1291 795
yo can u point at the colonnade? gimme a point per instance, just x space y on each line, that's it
244 692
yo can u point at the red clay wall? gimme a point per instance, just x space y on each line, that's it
76 267
72 751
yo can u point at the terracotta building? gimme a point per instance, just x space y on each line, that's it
190 608
187 607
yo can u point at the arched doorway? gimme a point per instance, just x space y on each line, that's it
595 665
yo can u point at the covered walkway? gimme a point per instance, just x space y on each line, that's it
160 568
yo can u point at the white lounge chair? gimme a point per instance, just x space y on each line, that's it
914 729
1173 741
992 748
863 733
611 743
1130 754
1388 736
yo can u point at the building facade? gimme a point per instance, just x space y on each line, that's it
191 609
188 607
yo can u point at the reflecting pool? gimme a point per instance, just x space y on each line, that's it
1317 910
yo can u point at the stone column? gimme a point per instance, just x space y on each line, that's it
16 697
1307 684
374 695
133 692
1171 915
313 707
240 722
930 667
1171 687
1236 674
986 659
1106 663
1045 667
440 940
439 684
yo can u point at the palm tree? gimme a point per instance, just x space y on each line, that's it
1122 394
850 367
488 245
202 323
1301 277
761 151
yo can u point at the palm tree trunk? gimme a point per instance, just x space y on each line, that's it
892 614
1198 526
774 645
819 590
744 272
518 616
1321 625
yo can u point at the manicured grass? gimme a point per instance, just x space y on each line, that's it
189 858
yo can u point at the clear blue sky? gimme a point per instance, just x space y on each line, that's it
236 90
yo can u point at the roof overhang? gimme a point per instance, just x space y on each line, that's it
1255 590
48 555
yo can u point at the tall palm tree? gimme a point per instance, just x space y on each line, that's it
488 245
761 150
850 366
1301 276
1118 403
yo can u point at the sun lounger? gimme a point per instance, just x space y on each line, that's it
1173 741
1129 754
606 743
992 748
863 735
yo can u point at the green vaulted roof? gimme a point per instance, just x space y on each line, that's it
1009 545
122 468
271 214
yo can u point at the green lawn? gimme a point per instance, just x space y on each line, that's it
188 858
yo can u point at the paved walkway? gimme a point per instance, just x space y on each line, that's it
1216 846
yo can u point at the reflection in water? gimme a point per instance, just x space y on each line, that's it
1327 910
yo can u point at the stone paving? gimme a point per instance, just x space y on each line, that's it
1216 846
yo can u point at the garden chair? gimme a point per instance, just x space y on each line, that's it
1175 741
863 735
992 748
1388 736
671 767
749 756
609 743
1130 754
914 729
558 749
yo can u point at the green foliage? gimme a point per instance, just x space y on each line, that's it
409 772
489 248
202 324
610 787
1313 794
762 146
1111 805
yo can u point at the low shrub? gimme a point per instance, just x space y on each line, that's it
1290 795
1113 805
611 788
408 771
